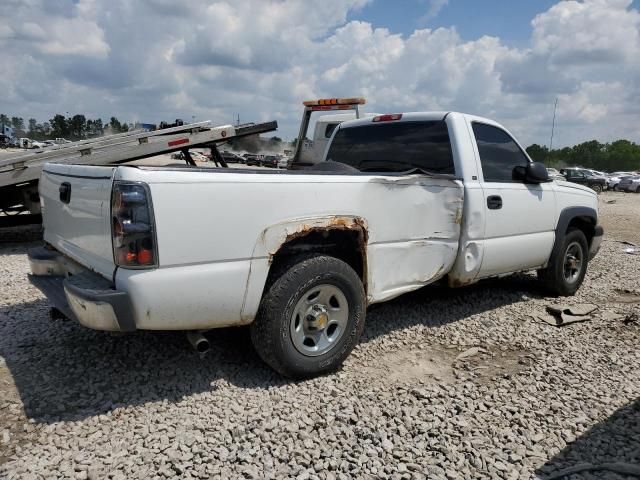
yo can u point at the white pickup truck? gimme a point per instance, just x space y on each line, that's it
401 201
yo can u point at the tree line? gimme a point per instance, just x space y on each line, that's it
621 155
76 127
618 156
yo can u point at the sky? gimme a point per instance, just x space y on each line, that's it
153 60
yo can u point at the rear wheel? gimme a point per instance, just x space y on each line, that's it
310 318
567 268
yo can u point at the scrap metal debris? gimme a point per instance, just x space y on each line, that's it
631 318
560 315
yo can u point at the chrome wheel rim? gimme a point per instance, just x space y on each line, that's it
573 259
319 320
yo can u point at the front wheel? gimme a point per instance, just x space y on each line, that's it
310 318
567 267
596 187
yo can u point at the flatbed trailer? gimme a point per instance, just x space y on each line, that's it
20 173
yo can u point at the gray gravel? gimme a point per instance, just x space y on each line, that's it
445 384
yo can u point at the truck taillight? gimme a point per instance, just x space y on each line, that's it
132 226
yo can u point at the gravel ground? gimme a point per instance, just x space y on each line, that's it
445 384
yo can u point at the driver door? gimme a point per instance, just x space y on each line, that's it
519 218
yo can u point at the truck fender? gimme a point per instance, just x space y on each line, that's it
564 219
271 240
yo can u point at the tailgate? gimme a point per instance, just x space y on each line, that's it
76 203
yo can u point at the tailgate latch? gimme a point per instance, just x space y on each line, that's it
65 192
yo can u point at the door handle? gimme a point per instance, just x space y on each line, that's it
65 192
494 202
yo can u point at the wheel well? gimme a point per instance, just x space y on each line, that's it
585 224
345 243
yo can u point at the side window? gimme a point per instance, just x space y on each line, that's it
329 130
499 153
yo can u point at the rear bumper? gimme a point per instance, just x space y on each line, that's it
596 241
83 296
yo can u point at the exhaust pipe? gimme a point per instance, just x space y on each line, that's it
198 341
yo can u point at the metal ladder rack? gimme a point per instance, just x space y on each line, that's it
119 148
20 173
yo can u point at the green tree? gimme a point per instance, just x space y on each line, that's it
623 155
98 128
77 126
32 126
115 125
18 126
538 153
59 126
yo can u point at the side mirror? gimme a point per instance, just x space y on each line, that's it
536 173
519 173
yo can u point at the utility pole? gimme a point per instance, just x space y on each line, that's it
553 125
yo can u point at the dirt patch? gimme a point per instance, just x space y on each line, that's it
446 365
620 219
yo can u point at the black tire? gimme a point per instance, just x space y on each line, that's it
272 332
596 187
554 278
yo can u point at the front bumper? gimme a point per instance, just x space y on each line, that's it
596 241
80 294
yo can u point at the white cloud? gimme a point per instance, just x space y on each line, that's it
433 9
158 59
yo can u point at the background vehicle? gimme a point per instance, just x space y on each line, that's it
309 152
554 174
630 184
584 177
231 157
253 160
284 161
393 207
270 161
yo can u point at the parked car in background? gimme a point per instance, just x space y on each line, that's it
613 179
196 156
231 157
270 161
283 161
554 174
584 177
252 159
596 173
630 184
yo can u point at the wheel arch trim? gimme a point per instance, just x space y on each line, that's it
564 219
273 238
